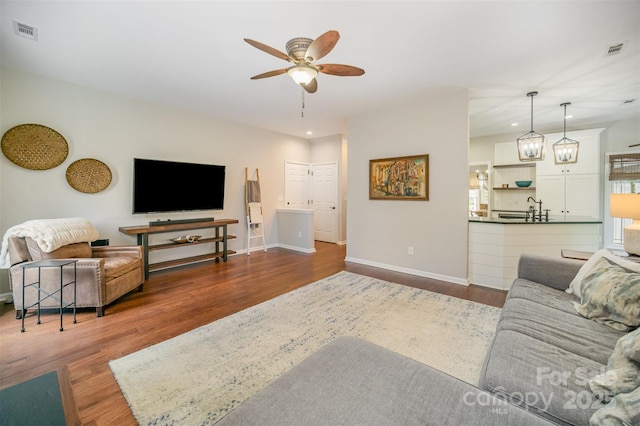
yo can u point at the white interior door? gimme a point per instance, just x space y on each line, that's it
325 201
296 185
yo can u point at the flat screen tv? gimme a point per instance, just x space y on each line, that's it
171 186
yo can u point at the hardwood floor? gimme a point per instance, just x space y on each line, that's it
173 302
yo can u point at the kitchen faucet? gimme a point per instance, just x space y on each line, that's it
533 211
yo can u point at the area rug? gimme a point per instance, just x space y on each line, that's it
35 402
199 376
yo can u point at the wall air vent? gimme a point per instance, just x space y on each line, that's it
615 49
26 31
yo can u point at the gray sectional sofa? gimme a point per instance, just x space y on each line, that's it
536 372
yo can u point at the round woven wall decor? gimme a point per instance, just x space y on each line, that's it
88 175
34 147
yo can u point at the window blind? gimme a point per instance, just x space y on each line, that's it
624 166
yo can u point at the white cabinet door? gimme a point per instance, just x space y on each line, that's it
571 189
550 190
588 154
570 195
582 195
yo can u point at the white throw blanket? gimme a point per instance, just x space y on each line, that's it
50 234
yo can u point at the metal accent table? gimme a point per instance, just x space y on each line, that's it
55 294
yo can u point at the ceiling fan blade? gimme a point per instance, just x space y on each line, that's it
341 70
311 87
269 74
270 50
322 45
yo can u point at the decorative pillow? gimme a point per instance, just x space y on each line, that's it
70 251
622 374
575 286
624 409
611 296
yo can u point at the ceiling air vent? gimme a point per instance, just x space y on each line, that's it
26 31
615 49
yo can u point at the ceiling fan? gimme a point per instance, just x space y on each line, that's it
302 52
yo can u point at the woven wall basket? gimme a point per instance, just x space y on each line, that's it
88 175
34 147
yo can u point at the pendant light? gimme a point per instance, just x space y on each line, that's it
532 145
565 151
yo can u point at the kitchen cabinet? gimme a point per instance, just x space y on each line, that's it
571 189
588 154
570 195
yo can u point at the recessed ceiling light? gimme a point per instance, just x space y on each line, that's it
568 116
309 132
514 124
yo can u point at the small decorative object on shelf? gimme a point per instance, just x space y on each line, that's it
523 183
187 239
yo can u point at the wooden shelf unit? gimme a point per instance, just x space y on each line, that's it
515 188
142 232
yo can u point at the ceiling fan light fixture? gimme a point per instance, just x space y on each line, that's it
302 74
531 145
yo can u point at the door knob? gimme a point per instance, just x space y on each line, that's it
333 207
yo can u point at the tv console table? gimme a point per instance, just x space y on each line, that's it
142 232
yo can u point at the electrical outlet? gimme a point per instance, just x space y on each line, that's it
410 250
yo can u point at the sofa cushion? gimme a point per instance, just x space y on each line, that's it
541 376
559 328
542 294
623 370
70 251
353 382
611 296
115 267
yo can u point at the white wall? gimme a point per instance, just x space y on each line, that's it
380 231
618 137
114 130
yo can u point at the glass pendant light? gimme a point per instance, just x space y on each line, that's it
565 151
532 145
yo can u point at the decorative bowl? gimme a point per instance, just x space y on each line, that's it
523 183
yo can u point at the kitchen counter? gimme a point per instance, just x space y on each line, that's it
552 220
495 245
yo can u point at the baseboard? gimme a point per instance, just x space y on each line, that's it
453 280
6 297
341 243
301 249
256 248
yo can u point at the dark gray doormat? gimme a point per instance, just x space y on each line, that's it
34 402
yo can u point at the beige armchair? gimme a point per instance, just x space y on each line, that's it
103 274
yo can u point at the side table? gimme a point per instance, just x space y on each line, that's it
585 255
54 294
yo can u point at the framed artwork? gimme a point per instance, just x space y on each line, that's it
400 178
